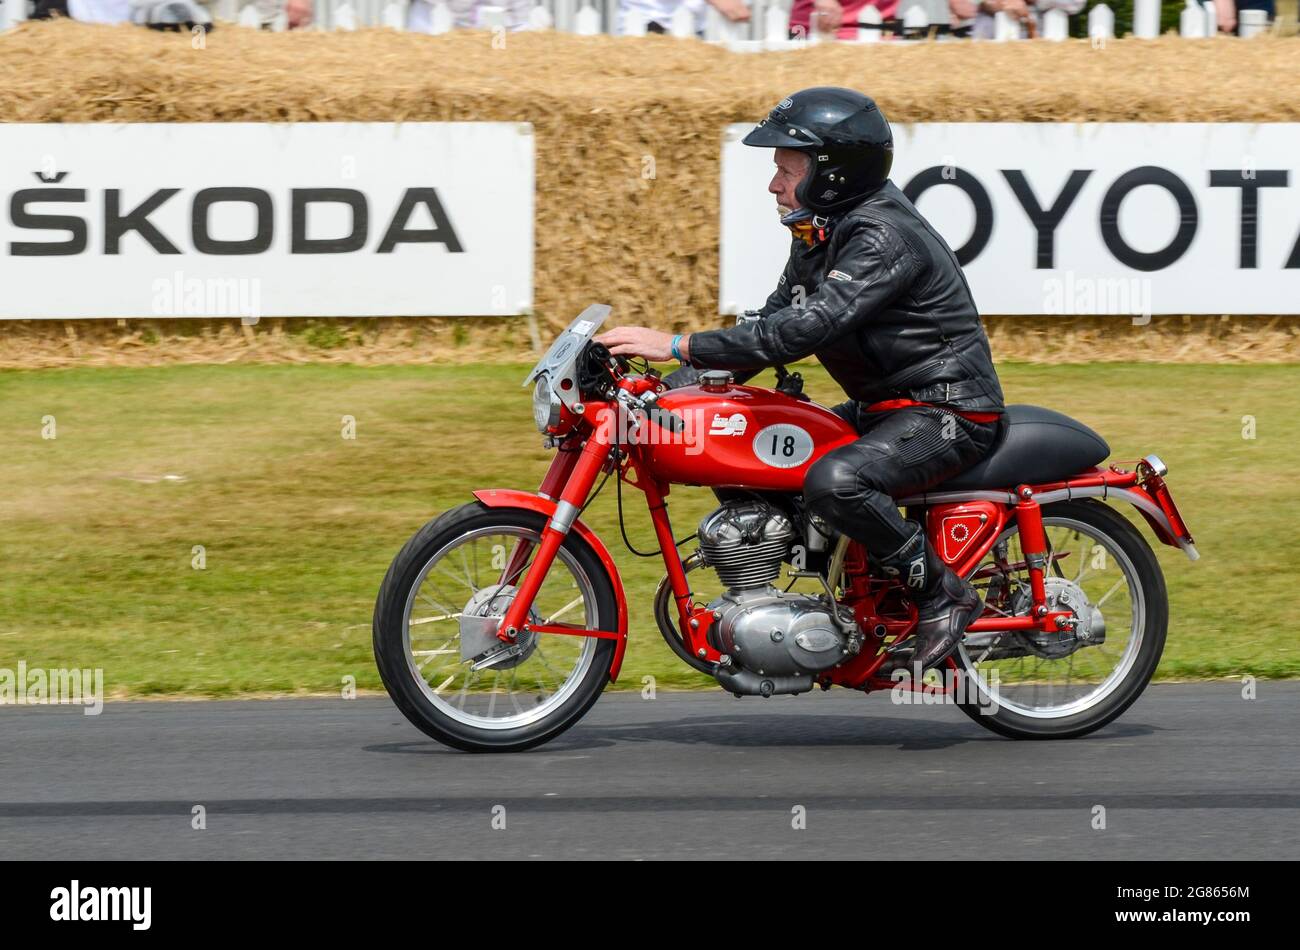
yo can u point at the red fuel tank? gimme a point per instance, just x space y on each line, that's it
745 437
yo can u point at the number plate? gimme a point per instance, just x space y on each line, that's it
783 445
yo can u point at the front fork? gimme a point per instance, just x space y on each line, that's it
553 484
576 478
572 474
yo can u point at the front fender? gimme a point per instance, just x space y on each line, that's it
514 498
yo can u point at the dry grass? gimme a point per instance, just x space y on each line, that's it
599 105
390 341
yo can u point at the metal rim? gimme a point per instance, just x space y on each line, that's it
1136 632
436 694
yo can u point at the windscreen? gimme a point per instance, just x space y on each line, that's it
559 359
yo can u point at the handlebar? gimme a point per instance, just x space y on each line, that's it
667 418
647 405
601 374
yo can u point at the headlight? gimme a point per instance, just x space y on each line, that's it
546 405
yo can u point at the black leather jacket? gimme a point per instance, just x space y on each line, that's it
882 303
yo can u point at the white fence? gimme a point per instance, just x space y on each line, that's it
767 27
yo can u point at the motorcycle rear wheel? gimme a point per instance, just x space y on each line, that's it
1102 548
515 705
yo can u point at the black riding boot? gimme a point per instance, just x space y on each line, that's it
946 603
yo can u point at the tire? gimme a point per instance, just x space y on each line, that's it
406 685
996 716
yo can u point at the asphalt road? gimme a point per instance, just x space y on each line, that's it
1191 771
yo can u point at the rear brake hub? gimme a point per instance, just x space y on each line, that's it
1084 626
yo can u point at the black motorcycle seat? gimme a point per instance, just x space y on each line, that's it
1038 445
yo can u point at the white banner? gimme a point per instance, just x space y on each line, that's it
265 220
1070 218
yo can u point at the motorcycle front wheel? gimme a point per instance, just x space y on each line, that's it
1063 685
469 561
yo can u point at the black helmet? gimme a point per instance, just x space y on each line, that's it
844 133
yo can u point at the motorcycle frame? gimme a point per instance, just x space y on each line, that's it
590 449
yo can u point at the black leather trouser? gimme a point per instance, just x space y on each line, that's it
901 452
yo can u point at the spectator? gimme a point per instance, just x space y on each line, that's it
659 13
985 27
1225 12
831 16
464 13
1071 7
961 14
841 18
298 13
157 14
269 10
100 11
1265 5
1027 12
45 9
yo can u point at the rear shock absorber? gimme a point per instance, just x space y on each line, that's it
1033 544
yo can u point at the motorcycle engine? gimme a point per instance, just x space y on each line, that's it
772 641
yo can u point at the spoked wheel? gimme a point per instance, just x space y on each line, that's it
454 680
1034 685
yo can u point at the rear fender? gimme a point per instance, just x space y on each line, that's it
514 498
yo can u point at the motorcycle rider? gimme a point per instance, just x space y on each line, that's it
873 291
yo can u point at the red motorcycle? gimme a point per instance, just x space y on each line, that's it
500 622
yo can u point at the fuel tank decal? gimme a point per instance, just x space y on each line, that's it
733 424
783 445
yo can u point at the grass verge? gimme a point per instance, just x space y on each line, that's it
99 526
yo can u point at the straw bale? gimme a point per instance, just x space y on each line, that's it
603 108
